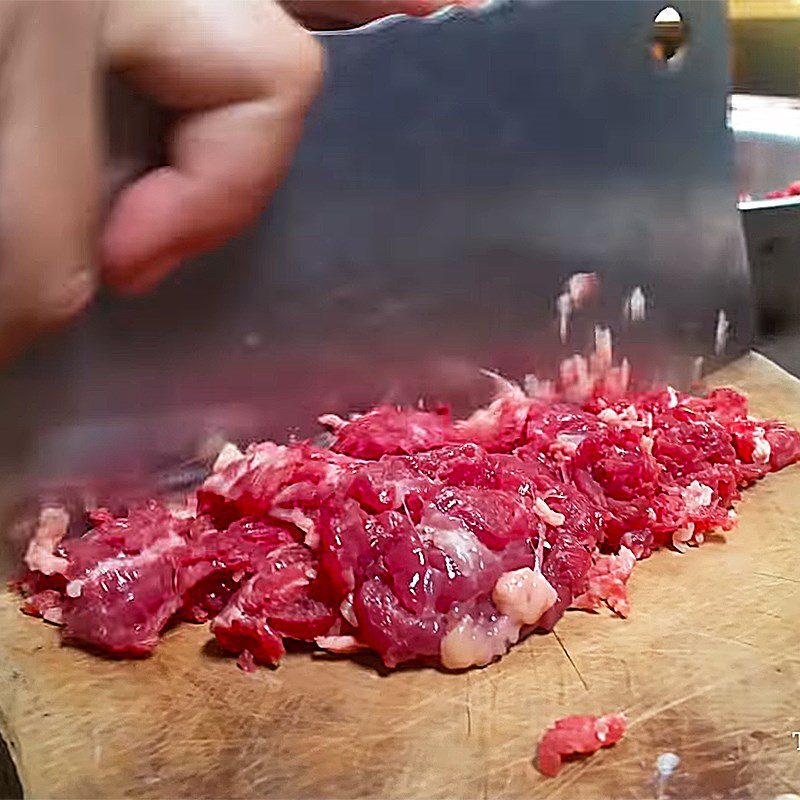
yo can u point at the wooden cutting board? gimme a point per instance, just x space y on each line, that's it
707 666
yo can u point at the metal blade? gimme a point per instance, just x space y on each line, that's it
454 172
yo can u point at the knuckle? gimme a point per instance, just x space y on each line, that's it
60 299
294 75
309 66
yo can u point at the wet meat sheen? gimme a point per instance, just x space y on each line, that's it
416 536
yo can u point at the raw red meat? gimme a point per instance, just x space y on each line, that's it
792 190
572 735
276 602
500 427
285 480
418 537
387 430
607 583
245 547
124 580
45 604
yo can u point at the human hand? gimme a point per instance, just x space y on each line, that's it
326 14
240 76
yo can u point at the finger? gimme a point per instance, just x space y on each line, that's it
318 14
49 153
242 75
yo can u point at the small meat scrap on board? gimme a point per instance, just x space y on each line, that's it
578 735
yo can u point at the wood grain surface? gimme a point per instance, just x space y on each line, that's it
707 666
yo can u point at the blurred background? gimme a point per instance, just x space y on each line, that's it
765 57
765 119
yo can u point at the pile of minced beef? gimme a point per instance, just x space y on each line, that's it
414 535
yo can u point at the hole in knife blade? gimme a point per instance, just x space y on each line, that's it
668 38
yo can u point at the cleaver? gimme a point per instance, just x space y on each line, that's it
454 172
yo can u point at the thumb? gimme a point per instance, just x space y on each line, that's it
49 152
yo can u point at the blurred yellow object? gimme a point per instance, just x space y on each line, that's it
764 9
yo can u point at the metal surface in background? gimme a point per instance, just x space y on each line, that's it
765 162
767 145
454 172
772 231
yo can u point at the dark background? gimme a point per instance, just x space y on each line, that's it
765 56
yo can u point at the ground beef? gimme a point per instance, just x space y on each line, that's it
578 735
416 536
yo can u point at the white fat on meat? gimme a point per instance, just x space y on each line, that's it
503 386
582 288
485 421
546 514
51 529
264 454
646 444
762 450
509 399
673 397
627 418
565 445
579 377
227 455
696 496
538 389
635 308
618 379
348 611
476 643
682 537
482 419
55 615
721 333
229 615
268 454
697 370
564 311
601 370
603 347
523 595
300 520
575 381
183 509
462 546
340 644
332 421
609 416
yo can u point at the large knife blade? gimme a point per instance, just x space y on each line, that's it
455 170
